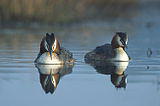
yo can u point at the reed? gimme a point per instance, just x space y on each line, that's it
56 11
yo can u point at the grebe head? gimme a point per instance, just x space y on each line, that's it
51 44
120 40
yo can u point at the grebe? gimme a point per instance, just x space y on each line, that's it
52 53
110 52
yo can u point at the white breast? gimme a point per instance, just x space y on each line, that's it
46 59
121 55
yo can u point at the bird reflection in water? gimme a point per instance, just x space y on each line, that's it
51 74
115 70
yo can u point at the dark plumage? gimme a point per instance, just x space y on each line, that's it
104 52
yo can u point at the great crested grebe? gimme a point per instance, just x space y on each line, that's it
52 53
110 52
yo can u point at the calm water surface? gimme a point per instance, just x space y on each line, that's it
22 82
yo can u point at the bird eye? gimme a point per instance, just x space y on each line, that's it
52 81
122 41
53 47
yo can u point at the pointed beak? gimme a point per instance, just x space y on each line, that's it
50 76
50 52
125 45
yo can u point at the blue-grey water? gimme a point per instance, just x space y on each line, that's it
82 85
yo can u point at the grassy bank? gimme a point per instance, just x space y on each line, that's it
62 11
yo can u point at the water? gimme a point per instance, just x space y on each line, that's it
82 84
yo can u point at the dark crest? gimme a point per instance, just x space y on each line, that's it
50 38
123 35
